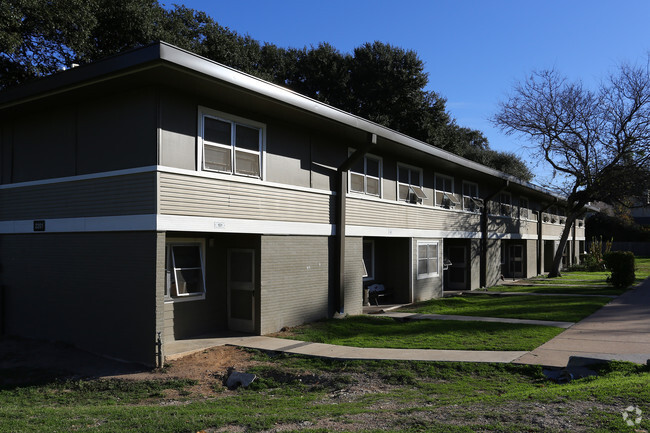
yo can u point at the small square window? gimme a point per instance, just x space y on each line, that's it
409 184
365 176
427 260
184 269
445 196
231 145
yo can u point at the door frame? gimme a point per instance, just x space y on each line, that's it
449 284
512 259
236 324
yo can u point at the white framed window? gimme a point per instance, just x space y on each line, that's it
365 175
230 144
505 204
368 260
427 259
471 200
524 207
445 192
185 270
409 184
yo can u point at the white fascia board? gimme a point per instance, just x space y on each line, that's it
408 233
166 223
232 225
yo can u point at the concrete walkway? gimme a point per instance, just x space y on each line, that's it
620 330
185 347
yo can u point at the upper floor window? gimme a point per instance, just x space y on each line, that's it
523 208
445 192
231 145
505 204
471 200
409 184
365 175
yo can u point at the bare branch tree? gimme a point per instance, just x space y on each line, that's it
599 141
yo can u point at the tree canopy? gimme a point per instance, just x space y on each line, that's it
598 140
378 81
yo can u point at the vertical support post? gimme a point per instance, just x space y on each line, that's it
484 239
540 237
340 238
540 243
342 184
484 233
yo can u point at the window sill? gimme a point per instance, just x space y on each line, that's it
180 299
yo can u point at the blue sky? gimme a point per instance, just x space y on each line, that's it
474 51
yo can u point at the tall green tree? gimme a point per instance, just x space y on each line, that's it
38 38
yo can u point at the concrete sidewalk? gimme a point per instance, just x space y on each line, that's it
185 347
620 330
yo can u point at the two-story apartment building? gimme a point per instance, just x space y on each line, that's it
158 194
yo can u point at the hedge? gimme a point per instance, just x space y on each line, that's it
621 265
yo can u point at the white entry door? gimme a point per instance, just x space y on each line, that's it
457 272
241 290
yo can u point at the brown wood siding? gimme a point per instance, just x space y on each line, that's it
362 212
119 195
204 197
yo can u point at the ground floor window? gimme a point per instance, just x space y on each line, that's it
185 270
427 259
368 260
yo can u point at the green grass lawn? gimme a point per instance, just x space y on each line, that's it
552 288
560 308
578 282
642 268
313 395
369 331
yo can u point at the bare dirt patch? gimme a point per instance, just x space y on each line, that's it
42 360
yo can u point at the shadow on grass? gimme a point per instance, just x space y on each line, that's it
26 362
565 308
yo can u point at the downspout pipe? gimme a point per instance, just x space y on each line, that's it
484 232
540 240
341 193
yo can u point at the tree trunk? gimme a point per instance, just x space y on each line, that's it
557 260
